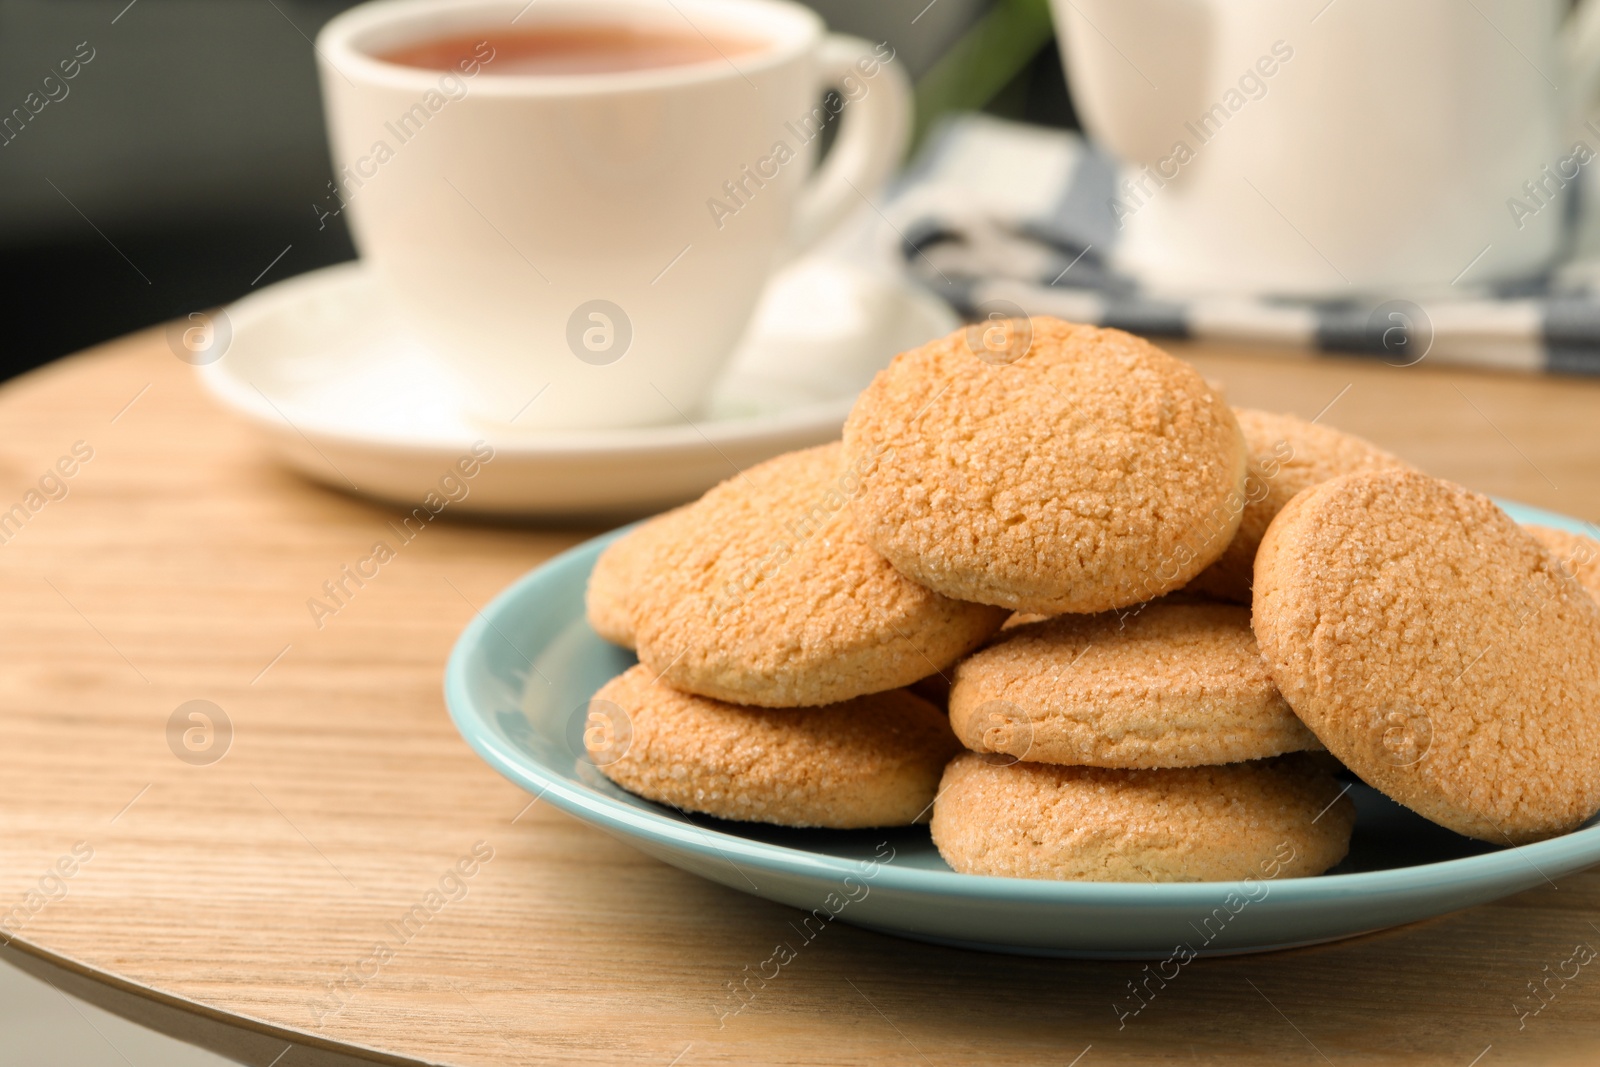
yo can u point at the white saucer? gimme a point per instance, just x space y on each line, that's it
321 365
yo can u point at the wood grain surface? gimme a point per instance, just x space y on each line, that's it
226 899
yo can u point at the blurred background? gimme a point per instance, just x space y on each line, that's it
183 167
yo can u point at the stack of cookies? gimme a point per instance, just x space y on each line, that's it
1070 539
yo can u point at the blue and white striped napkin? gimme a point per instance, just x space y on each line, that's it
993 213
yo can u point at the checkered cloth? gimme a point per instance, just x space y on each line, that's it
994 213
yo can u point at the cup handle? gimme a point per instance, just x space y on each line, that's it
874 128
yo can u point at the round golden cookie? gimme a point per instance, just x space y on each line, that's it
1282 818
1286 455
613 584
1438 650
1579 555
1089 472
1167 685
871 761
766 594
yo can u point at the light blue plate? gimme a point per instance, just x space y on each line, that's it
520 678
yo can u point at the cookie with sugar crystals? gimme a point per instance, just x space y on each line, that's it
608 600
1170 684
767 594
1438 650
1580 555
1280 818
1079 469
871 761
1287 455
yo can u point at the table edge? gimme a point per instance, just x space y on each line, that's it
237 1036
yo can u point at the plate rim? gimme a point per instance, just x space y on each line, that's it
1579 848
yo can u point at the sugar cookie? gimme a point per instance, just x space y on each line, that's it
1438 650
1171 684
617 575
871 761
1286 455
767 595
1090 472
1580 555
1281 818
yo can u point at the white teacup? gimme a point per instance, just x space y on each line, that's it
1330 147
597 241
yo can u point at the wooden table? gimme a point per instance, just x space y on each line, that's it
223 898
